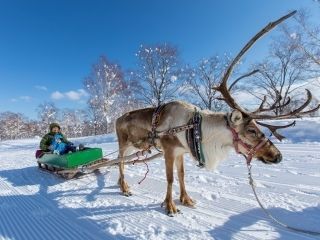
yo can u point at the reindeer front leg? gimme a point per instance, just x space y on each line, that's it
184 198
168 202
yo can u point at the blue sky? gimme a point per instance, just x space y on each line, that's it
47 48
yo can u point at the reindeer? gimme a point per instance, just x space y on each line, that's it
170 127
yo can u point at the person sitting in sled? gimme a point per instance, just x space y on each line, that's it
55 141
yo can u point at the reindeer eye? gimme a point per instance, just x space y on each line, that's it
252 131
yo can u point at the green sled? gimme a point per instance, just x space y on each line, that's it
72 160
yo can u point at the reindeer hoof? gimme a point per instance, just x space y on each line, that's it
170 208
171 214
187 201
127 194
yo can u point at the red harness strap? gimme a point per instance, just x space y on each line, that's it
250 150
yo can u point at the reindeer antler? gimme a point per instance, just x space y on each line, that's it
273 129
222 88
225 91
273 106
293 114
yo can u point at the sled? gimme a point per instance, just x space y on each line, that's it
70 164
86 161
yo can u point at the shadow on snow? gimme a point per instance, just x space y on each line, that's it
307 219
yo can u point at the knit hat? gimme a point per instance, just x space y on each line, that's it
53 125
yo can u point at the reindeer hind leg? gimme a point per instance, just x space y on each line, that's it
123 148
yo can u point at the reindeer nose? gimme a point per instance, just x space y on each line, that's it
278 158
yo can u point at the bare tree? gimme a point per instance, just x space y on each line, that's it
32 129
157 74
47 113
201 80
307 36
104 85
13 126
72 122
281 72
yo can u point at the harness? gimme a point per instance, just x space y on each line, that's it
250 150
154 124
194 138
193 133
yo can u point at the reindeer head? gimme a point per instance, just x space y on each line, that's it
248 139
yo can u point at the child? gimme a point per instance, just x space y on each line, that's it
55 142
58 146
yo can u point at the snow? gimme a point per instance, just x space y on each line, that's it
174 78
294 35
37 205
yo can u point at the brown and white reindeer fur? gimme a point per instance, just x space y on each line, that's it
134 127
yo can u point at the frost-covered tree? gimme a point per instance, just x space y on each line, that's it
202 78
307 36
281 72
72 122
158 74
126 101
32 129
47 113
104 85
13 126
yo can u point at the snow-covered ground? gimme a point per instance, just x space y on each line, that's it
37 205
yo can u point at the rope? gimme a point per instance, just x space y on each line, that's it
145 175
251 182
111 153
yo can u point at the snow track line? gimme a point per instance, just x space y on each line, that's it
37 224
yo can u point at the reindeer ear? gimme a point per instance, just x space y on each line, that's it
236 117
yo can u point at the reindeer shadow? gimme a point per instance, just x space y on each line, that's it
101 185
307 219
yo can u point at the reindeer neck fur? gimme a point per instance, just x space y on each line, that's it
217 140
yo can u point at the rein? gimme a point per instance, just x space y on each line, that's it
250 150
275 220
